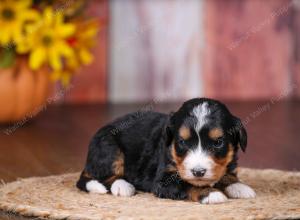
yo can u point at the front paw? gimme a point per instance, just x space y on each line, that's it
239 191
214 198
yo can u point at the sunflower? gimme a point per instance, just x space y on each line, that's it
82 42
47 41
13 15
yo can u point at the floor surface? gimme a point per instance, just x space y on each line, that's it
56 140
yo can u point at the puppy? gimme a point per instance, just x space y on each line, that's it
188 155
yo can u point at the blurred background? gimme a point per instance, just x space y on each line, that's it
175 50
147 55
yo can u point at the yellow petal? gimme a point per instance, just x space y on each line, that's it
58 17
85 56
22 47
65 30
91 33
5 36
30 28
37 58
22 4
48 16
64 49
31 15
54 59
65 79
63 76
17 34
72 62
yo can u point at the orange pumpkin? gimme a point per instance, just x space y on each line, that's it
23 92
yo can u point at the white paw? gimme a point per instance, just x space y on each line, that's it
122 188
214 197
93 186
239 190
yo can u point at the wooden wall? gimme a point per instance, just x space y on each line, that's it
295 26
249 48
168 50
155 50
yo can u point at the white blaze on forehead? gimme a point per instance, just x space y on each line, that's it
198 158
200 112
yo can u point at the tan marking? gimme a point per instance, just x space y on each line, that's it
215 133
194 194
178 161
171 169
86 174
197 193
117 167
111 179
184 132
220 166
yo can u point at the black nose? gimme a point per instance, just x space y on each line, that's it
198 172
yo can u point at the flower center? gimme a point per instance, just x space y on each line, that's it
47 40
8 14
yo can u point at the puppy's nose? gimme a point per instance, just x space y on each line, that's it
198 172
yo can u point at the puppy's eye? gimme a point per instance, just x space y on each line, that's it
181 142
218 142
181 147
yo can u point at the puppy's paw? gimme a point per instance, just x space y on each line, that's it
214 197
122 188
239 191
93 186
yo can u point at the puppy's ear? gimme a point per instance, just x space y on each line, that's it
239 134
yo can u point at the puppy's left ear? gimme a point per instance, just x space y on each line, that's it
239 134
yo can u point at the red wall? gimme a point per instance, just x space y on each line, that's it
250 49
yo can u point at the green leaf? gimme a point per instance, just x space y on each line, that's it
7 57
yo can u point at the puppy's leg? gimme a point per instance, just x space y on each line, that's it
105 164
88 184
121 187
206 195
233 188
172 187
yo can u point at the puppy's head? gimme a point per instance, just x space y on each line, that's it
204 138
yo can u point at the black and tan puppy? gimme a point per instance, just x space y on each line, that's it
190 154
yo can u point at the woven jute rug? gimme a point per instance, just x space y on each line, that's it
56 197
